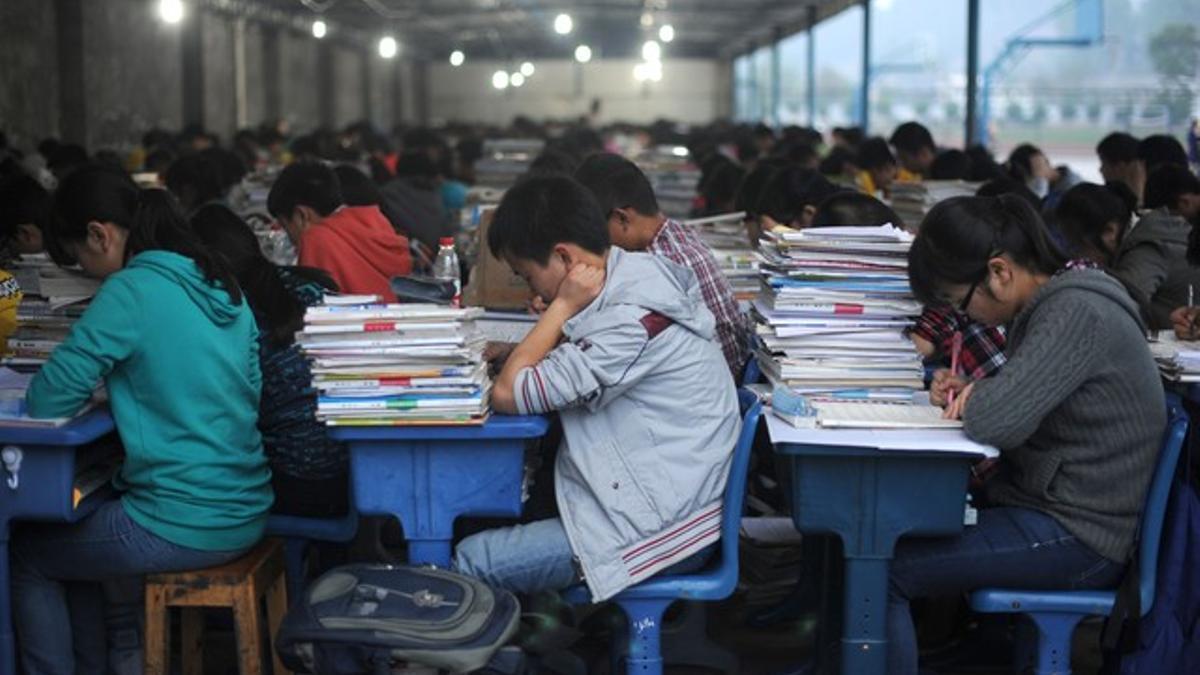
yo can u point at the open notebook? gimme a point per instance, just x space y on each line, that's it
877 415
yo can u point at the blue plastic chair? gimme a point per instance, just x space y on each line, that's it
299 533
645 603
1054 614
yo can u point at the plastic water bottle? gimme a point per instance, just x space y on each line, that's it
445 268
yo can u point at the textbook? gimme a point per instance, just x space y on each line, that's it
877 415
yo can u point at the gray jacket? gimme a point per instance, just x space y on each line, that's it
1077 412
650 418
1152 263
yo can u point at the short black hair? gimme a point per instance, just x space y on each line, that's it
305 183
617 183
854 208
874 153
357 187
984 166
1167 183
1007 185
752 185
552 162
789 191
951 165
911 137
1161 150
23 201
1084 212
1117 147
836 162
540 212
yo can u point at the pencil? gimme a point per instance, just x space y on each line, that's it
955 354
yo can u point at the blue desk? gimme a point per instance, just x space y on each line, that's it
429 476
46 481
870 498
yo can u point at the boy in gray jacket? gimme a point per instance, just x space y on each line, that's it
625 352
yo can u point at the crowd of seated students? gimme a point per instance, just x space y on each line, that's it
634 312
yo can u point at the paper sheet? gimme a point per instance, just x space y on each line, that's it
929 440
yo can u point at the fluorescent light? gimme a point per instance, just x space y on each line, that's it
170 11
651 51
319 29
583 53
527 69
666 33
388 47
516 79
563 24
500 79
457 58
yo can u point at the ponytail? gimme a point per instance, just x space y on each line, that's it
960 235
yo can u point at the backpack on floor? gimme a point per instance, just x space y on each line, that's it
372 618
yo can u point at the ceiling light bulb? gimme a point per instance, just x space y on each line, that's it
319 29
583 53
170 11
457 58
666 33
388 47
647 19
500 79
651 51
563 24
516 79
527 69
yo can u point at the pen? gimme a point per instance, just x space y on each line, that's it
955 353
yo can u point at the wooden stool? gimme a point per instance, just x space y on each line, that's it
239 585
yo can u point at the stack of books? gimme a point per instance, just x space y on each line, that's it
53 299
395 365
504 160
725 236
912 201
832 315
1178 361
673 176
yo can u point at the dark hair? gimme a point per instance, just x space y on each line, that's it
789 191
798 152
66 158
305 183
280 313
983 165
152 218
195 180
158 160
854 208
752 185
1161 150
1006 185
851 135
1166 184
1117 147
835 162
542 211
1020 161
721 188
553 162
911 137
1085 211
23 201
951 165
874 153
763 131
230 167
617 183
960 235
357 188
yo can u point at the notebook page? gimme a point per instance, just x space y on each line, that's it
861 415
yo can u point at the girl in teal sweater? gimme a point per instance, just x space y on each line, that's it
173 340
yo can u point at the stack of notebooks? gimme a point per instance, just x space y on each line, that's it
673 177
504 160
833 312
395 365
53 299
912 201
725 236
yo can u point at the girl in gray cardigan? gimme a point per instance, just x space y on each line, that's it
1077 414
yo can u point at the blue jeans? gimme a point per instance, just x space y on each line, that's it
534 557
1009 548
59 610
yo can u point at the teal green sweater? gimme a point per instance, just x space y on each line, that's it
181 365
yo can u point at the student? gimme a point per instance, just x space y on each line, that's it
951 165
982 349
414 198
1149 259
619 353
1159 150
791 196
915 149
877 167
356 245
748 192
25 209
635 223
1176 190
308 470
196 180
1118 153
1029 165
171 338
1077 413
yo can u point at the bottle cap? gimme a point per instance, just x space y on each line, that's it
446 241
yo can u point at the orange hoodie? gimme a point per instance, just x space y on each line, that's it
357 246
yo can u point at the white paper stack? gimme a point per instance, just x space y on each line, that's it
53 299
833 310
396 365
725 236
1178 361
912 201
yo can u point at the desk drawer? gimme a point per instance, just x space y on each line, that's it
46 482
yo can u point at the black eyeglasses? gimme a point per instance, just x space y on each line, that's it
966 301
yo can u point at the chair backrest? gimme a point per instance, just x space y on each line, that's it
735 487
751 374
1156 499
